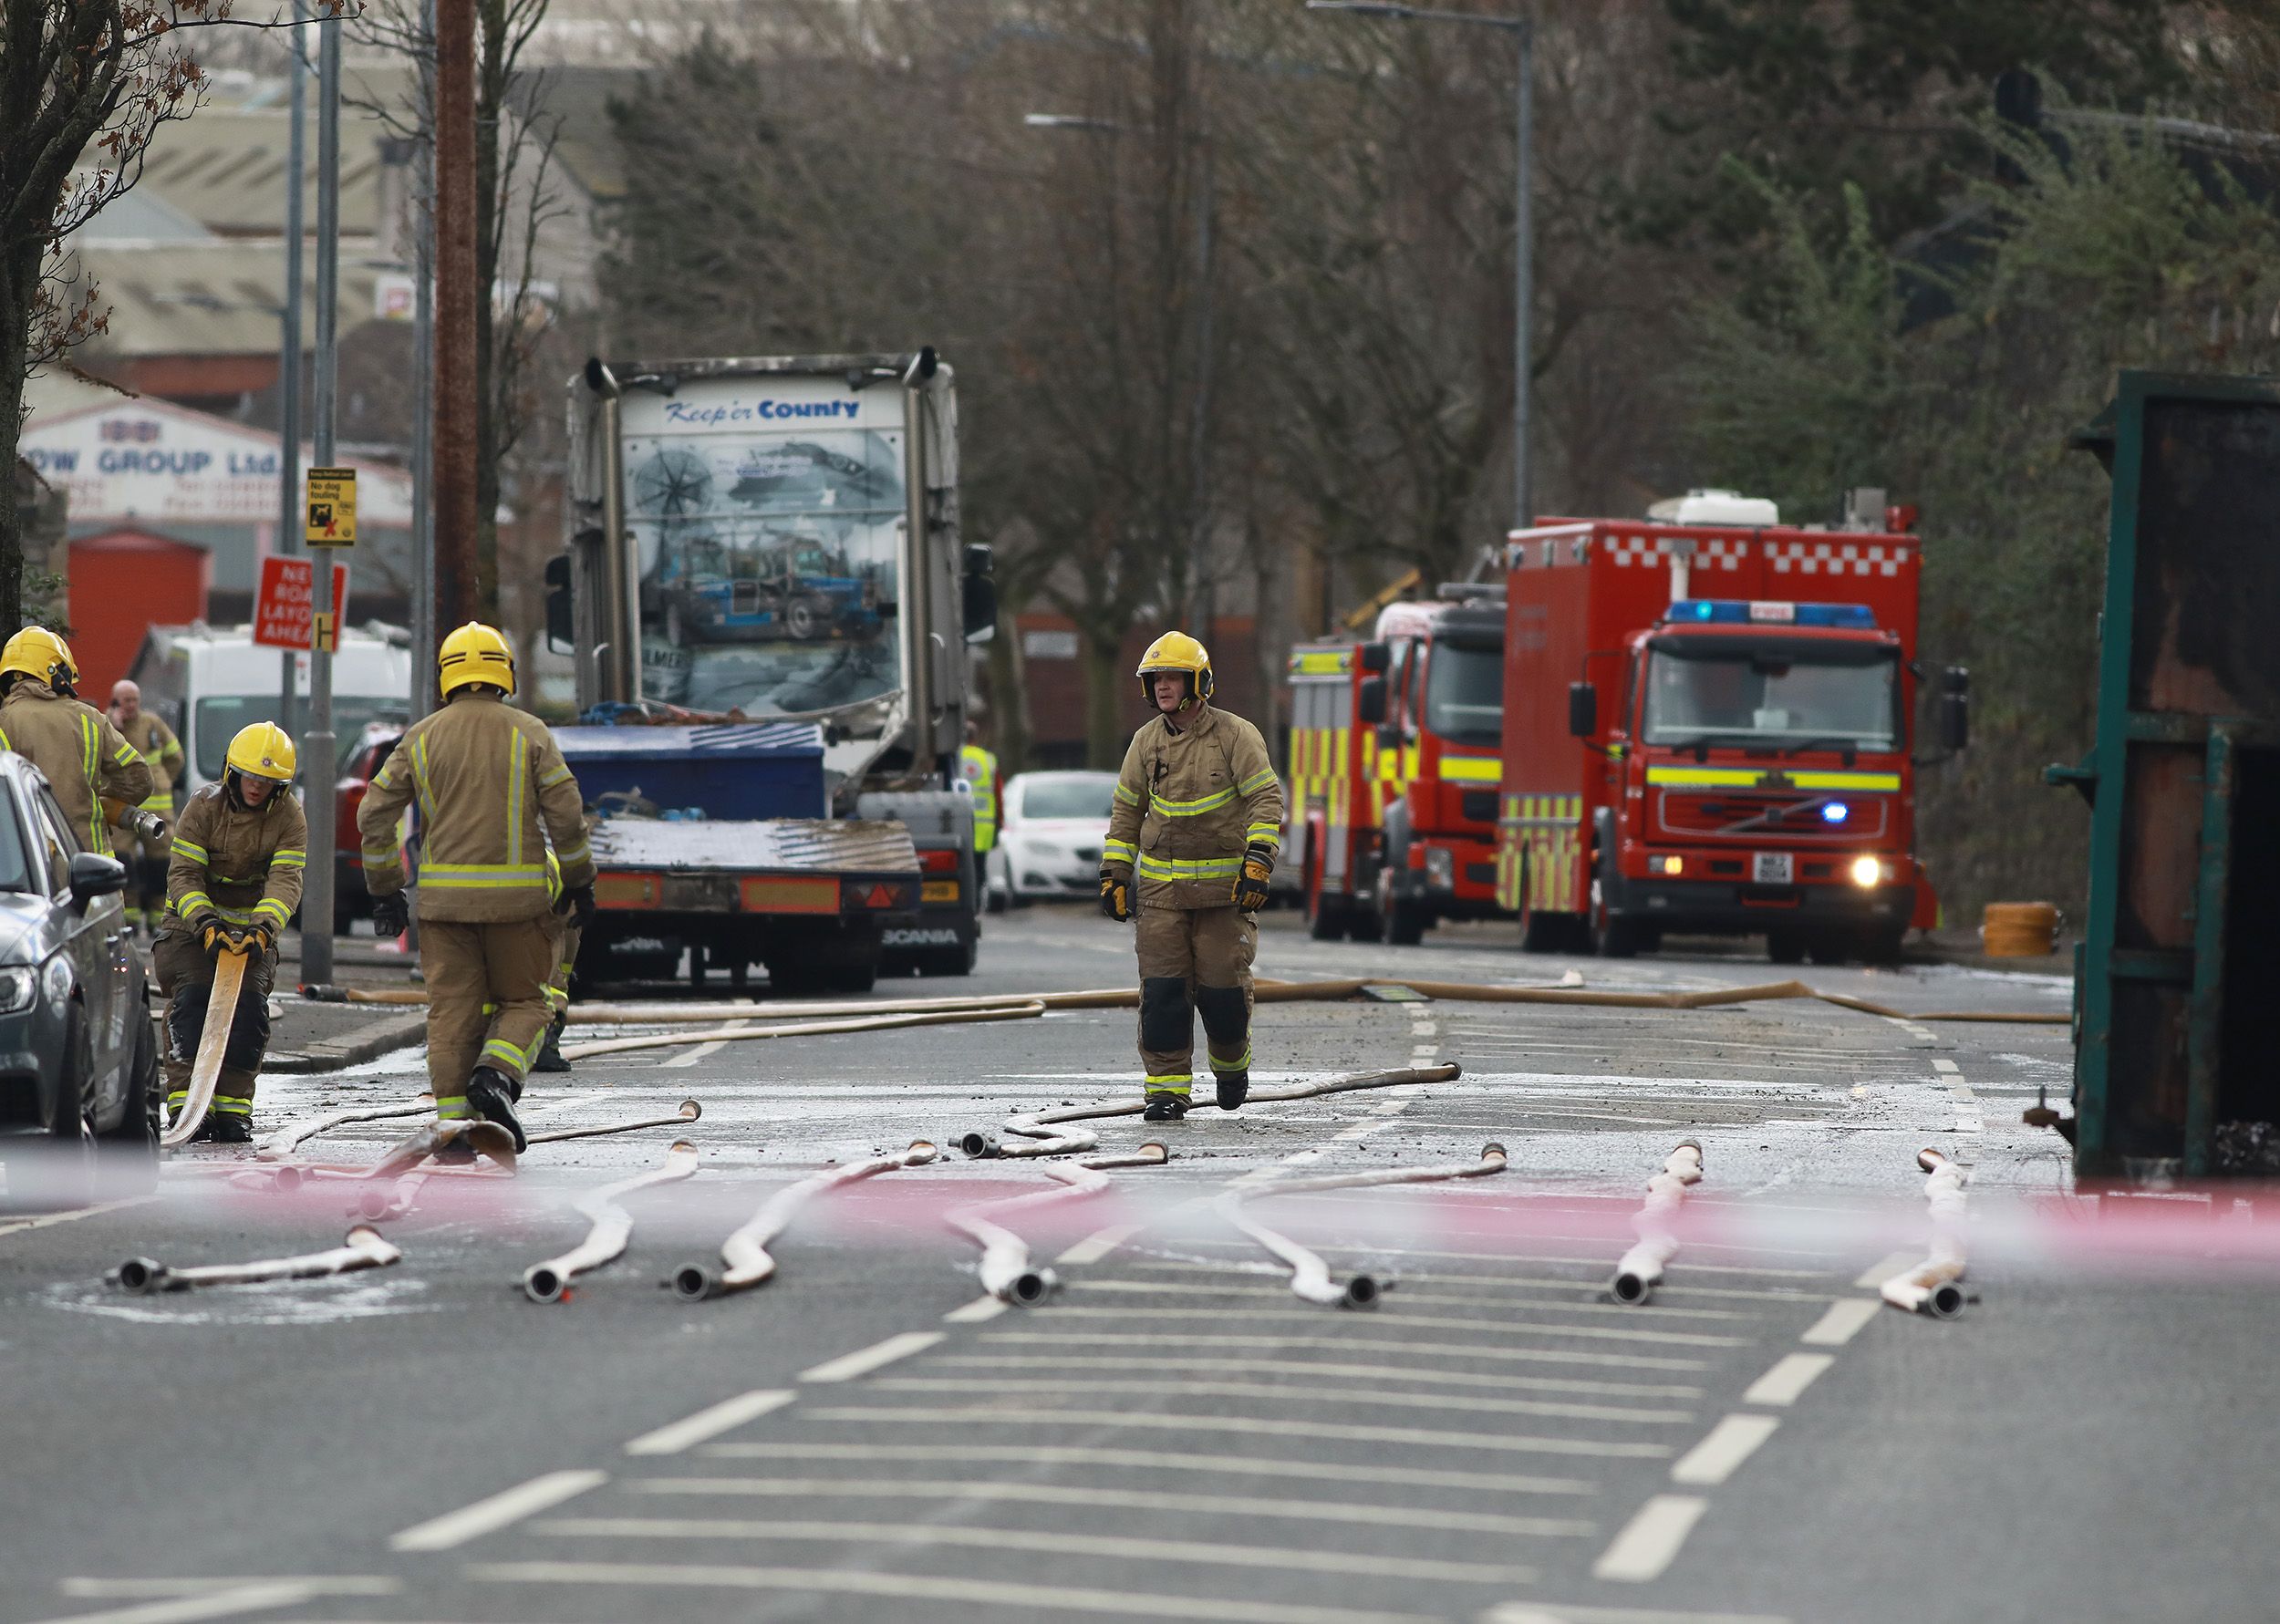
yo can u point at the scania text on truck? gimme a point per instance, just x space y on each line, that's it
1395 770
1707 729
764 577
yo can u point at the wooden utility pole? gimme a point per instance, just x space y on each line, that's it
452 448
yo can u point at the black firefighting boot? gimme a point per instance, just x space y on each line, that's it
227 1127
550 1056
1165 1108
492 1096
1235 1087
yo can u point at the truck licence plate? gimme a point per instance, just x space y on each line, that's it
1772 868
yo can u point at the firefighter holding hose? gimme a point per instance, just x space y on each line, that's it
85 760
494 790
232 879
1197 820
155 742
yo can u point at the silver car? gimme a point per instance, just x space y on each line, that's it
80 1092
1050 832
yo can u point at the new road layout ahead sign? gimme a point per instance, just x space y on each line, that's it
283 616
332 508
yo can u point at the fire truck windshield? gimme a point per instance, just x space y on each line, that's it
1464 693
1835 695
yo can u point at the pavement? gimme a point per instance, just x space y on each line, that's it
1176 1434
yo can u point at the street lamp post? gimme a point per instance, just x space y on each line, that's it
1523 228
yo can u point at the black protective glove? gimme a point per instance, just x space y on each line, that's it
1116 892
578 902
260 936
1249 892
390 917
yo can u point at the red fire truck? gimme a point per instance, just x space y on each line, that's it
1707 729
1394 768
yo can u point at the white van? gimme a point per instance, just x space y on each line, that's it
210 681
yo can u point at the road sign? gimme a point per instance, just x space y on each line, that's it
332 508
283 613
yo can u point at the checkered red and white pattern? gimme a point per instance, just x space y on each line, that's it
1719 553
1838 558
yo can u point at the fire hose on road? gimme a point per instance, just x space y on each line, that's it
1639 1270
1039 1134
294 1134
213 1043
363 1249
1934 1287
1028 1009
744 1257
612 1227
1006 1274
1309 1276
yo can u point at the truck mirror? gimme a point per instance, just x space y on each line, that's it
1582 709
1376 656
1955 709
562 632
1369 703
978 596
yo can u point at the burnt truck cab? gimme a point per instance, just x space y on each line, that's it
1758 779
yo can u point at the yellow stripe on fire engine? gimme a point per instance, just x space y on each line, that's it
1472 770
1706 778
1334 662
1844 780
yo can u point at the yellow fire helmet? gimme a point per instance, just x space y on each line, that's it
263 750
475 653
1177 651
37 652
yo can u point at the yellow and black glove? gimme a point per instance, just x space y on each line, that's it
1116 891
207 927
1249 893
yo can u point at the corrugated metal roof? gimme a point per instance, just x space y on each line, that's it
218 297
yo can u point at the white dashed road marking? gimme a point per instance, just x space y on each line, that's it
711 1422
501 1510
863 1360
1721 1454
1651 1539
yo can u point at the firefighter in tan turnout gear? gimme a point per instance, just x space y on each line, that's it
155 742
493 791
85 760
1199 818
233 880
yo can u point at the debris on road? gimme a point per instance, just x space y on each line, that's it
1639 1269
363 1248
1933 1287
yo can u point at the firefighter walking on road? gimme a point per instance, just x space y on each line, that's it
1198 820
494 790
85 760
233 880
155 742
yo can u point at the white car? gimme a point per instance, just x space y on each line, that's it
1050 832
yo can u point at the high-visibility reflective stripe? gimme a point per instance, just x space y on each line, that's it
1256 781
385 854
420 777
500 1048
1721 778
553 776
1321 664
178 1098
127 752
91 739
273 908
1126 796
1171 1084
232 1105
580 852
1240 1063
1471 770
192 848
288 857
452 1108
194 899
1118 851
160 802
483 876
1266 834
1173 868
1188 808
1844 780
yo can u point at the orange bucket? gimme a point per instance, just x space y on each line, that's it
2019 930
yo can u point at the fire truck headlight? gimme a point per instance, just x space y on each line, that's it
1867 872
1440 866
1835 812
1666 865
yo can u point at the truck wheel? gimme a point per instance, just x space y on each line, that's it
950 961
1326 923
130 1152
1545 932
1829 951
1365 925
1611 935
860 977
1785 946
1883 946
1405 926
798 618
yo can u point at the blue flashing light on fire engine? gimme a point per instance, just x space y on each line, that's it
1758 612
1835 812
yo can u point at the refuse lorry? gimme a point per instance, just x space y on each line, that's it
1708 728
2173 1066
769 604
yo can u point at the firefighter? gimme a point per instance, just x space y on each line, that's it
979 768
85 760
550 1055
156 743
493 790
232 879
1198 814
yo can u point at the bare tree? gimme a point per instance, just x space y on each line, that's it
84 86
